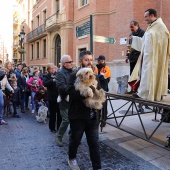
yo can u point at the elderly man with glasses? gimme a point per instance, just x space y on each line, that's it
62 78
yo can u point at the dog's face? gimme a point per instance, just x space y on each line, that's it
85 75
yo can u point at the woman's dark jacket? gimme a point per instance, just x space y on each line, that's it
52 91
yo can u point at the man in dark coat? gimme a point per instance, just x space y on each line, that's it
133 55
62 77
83 119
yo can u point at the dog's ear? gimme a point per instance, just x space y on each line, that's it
80 76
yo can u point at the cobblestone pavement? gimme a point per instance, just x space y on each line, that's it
28 145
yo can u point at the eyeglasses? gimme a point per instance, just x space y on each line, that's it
69 62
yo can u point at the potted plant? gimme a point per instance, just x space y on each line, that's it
21 51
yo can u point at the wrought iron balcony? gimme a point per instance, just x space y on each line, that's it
15 45
15 20
15 33
52 22
39 32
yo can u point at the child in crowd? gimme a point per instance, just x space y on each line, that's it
40 98
16 98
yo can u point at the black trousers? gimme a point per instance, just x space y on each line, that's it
54 111
91 129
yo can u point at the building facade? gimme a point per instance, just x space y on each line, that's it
52 29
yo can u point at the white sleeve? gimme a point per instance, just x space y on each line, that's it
8 86
137 43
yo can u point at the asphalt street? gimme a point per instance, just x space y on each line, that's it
26 144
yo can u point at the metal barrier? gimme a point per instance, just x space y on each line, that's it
135 110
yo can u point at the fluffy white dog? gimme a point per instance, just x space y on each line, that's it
42 114
85 82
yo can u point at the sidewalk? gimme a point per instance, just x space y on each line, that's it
28 145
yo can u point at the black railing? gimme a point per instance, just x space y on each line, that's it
53 19
39 30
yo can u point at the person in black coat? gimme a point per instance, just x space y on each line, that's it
16 98
25 90
133 56
49 81
83 119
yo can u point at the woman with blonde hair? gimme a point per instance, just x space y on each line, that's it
9 68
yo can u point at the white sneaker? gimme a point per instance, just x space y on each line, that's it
2 122
73 164
33 111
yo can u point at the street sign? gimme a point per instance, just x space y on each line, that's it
83 29
103 39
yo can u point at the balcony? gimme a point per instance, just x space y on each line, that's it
52 23
15 56
15 45
15 21
36 34
15 33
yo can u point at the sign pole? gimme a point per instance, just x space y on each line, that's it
91 33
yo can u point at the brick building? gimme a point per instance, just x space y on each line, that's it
51 29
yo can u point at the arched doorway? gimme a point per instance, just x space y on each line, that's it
57 55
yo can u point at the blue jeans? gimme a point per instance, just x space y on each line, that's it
1 104
91 129
32 100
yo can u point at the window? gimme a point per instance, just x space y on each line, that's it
44 15
44 48
83 2
44 69
38 50
32 51
57 5
23 59
38 21
32 25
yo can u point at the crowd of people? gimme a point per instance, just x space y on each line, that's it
65 104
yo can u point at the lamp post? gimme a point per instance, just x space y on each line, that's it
7 57
21 40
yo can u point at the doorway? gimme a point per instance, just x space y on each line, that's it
57 55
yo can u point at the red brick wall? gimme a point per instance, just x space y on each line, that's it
111 18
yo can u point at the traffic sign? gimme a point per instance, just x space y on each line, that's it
83 29
103 39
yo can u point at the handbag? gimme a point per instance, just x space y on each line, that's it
134 85
122 84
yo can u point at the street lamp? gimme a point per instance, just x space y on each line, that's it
7 57
21 39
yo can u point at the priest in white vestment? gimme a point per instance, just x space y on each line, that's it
152 66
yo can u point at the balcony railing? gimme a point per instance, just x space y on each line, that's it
15 33
15 20
52 20
15 44
35 33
